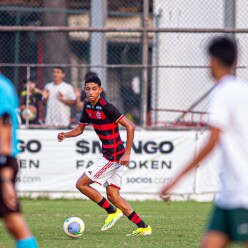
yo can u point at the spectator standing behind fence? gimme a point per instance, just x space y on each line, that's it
59 96
33 95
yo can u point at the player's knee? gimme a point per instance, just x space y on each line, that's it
112 197
80 186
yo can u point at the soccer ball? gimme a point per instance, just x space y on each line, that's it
27 113
73 227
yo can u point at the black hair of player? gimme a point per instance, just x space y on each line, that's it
93 79
89 74
224 49
24 81
60 68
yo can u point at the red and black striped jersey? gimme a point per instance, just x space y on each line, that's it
104 118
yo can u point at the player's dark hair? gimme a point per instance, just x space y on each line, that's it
89 74
31 79
24 81
93 79
224 49
60 68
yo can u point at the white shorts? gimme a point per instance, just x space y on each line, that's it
106 173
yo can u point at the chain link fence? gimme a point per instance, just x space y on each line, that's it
149 54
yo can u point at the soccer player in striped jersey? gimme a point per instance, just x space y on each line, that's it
9 205
107 171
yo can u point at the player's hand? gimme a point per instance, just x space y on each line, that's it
124 160
164 193
45 94
78 92
9 194
61 136
60 96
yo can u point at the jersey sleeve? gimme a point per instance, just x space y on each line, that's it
9 103
46 87
84 120
113 112
219 116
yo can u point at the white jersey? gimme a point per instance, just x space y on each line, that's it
229 112
58 113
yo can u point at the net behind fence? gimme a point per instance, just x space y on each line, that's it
149 54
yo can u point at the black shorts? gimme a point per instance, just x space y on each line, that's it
11 162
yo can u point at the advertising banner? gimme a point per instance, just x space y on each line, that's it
49 166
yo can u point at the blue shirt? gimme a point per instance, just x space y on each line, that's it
9 104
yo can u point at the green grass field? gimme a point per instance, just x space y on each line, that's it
175 224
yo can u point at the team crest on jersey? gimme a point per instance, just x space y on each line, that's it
98 115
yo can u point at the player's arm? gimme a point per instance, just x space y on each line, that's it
79 102
212 141
6 171
45 95
130 127
68 101
79 129
5 134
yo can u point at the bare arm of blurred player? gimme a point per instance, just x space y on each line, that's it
213 139
79 129
124 160
6 173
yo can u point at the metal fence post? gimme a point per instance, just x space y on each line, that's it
98 43
145 63
27 96
229 13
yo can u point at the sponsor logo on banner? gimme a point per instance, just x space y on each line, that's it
32 146
29 146
148 180
139 147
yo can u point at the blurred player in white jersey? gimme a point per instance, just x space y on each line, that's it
228 125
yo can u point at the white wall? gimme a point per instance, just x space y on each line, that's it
179 88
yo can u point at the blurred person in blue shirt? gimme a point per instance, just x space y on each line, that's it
9 204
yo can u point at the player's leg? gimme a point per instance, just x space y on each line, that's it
214 239
113 194
84 186
16 225
9 205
